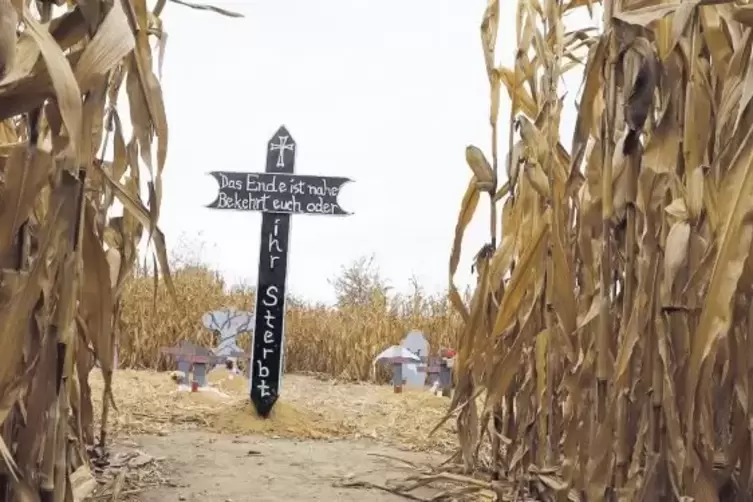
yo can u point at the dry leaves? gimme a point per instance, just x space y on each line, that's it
62 259
613 346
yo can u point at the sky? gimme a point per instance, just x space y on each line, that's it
386 92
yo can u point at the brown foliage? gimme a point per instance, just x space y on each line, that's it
610 331
63 260
341 342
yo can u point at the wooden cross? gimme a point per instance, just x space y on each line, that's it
277 193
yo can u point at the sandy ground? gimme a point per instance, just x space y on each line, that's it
216 468
326 440
310 407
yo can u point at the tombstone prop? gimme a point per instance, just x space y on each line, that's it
191 358
396 356
229 324
414 373
432 370
445 371
439 372
277 193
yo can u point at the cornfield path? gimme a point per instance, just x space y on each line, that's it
208 467
172 445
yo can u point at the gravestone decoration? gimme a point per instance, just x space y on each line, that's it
445 372
439 372
414 374
396 356
277 193
228 324
193 359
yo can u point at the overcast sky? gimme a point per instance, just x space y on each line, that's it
386 92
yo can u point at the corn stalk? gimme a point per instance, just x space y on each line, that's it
622 279
63 259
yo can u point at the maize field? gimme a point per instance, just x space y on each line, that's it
338 342
605 351
64 255
609 336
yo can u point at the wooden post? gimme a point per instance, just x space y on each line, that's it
200 374
445 378
185 368
397 377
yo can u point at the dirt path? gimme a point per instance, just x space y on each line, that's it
210 467
149 403
171 445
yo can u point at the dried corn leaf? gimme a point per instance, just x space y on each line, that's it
67 90
112 42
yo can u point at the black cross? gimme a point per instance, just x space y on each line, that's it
277 193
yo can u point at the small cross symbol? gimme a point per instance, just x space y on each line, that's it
281 147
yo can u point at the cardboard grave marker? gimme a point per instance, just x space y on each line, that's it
277 193
436 369
439 372
396 356
194 359
229 324
414 374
